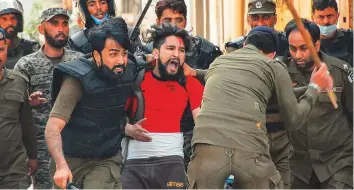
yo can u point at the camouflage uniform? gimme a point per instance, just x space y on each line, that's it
39 68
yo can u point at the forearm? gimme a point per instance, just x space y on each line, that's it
54 141
299 91
29 130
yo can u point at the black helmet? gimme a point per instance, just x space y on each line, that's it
13 6
88 20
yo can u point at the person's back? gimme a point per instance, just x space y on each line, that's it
246 82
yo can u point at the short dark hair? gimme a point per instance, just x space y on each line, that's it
89 22
178 6
160 33
324 4
113 28
313 29
261 40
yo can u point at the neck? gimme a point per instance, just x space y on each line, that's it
51 51
156 70
1 72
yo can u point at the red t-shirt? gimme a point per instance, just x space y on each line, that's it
165 102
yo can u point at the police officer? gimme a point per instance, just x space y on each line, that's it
263 13
322 153
95 12
83 132
11 20
230 137
18 143
38 68
334 42
201 54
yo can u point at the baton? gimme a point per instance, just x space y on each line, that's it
307 37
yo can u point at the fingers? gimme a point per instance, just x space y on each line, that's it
42 100
35 94
143 137
141 121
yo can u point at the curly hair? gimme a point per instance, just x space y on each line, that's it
160 33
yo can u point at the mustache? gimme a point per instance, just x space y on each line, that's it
174 61
60 35
13 27
99 12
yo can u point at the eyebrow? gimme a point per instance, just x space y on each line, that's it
117 50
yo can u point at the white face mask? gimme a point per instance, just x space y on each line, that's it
328 30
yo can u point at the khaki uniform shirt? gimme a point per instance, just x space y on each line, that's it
17 131
238 88
325 142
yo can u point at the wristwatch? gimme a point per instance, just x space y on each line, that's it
315 86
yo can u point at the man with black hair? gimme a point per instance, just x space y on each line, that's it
18 143
322 149
11 20
84 132
334 42
94 13
230 137
161 99
38 68
201 54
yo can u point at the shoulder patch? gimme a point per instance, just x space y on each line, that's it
350 75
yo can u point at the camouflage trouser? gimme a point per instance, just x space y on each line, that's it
187 147
42 177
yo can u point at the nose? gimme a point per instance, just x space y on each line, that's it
298 55
120 59
326 21
261 22
98 6
176 53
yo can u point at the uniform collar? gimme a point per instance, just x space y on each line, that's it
324 58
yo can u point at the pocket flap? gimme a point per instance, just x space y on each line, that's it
14 97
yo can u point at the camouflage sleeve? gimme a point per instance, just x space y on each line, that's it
29 130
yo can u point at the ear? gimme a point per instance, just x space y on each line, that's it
312 17
158 22
275 19
40 29
97 57
156 53
318 45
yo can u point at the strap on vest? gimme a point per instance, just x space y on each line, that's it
139 114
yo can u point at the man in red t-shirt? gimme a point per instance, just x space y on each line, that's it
154 156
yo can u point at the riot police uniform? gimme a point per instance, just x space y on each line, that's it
19 47
340 45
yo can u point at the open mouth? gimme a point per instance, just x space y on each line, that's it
173 65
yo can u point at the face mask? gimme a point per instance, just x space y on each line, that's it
99 21
328 30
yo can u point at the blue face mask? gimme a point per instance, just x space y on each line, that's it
99 21
328 30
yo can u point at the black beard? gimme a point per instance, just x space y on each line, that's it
164 75
56 43
307 66
12 34
109 74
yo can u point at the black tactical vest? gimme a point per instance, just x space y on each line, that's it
94 130
24 48
340 47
